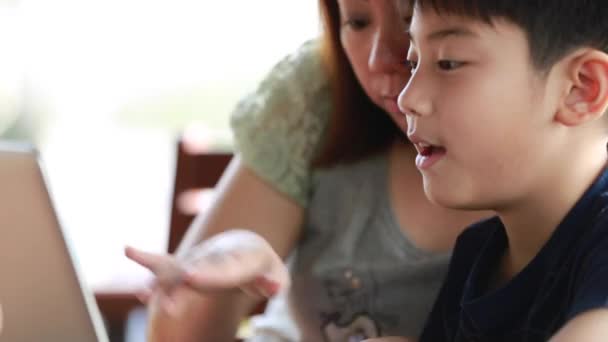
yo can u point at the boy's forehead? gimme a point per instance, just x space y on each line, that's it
431 26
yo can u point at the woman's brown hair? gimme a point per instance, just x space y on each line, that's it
357 128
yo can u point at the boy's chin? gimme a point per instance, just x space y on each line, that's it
448 198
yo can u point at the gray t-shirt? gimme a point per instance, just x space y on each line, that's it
355 274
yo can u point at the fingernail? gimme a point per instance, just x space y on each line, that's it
272 288
267 287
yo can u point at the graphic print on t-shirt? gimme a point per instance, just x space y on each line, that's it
350 297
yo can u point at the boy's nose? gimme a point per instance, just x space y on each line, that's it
413 100
403 103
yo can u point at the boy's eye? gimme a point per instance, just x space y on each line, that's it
357 24
412 64
449 65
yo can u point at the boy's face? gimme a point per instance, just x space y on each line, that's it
486 113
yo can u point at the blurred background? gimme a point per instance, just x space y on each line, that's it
105 87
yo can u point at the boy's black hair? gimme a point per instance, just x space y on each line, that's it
554 28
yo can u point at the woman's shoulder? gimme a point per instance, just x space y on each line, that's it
279 126
305 63
297 88
297 81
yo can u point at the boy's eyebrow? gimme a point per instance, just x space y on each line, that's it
445 33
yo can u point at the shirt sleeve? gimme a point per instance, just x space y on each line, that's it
278 127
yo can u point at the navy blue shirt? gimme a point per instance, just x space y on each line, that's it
568 276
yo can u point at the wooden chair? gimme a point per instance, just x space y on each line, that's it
193 171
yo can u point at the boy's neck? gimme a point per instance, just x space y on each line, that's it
530 223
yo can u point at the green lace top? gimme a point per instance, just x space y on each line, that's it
278 127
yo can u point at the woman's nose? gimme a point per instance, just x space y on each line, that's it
387 53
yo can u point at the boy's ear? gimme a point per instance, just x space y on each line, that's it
586 97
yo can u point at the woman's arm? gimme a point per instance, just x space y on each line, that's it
588 327
243 200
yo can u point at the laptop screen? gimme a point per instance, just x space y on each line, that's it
42 296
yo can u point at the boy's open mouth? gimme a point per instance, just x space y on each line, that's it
428 154
427 150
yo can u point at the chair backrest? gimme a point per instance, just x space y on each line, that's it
193 171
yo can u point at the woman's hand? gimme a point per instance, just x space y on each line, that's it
235 259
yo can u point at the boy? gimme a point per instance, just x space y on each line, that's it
505 107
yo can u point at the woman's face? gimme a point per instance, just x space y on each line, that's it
373 34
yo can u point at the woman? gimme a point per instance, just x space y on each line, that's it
324 171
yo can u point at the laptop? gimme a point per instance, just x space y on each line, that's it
42 295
